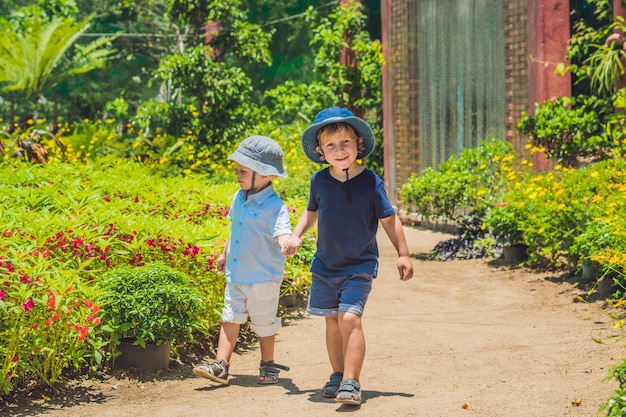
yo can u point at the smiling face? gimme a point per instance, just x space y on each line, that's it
339 145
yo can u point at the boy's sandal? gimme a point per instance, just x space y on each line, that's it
268 372
330 388
349 392
216 371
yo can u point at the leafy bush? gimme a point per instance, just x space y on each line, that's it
473 240
504 223
150 304
616 405
569 129
47 317
476 178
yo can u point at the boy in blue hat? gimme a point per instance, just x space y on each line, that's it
348 201
253 259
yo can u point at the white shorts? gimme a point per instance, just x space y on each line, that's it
259 301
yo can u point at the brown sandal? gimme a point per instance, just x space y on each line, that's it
268 372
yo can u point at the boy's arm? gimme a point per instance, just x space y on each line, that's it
395 232
285 247
221 261
306 221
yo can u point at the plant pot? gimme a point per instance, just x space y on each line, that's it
514 254
590 272
287 300
605 287
152 358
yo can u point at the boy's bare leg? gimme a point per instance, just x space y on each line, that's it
334 344
353 345
267 348
229 333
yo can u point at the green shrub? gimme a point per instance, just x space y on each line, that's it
150 304
478 177
568 129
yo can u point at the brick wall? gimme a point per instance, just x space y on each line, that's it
402 133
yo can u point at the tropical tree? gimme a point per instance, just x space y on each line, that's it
36 58
207 73
347 72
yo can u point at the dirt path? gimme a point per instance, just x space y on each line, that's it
462 338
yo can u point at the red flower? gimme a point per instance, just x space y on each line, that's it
107 198
52 302
28 305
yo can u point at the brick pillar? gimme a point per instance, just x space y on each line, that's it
516 68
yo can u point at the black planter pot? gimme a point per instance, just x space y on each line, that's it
152 358
514 254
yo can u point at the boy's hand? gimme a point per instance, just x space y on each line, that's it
290 246
221 264
405 267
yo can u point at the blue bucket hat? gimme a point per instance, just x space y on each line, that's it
334 115
260 154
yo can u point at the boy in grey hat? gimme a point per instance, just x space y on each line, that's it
347 201
253 259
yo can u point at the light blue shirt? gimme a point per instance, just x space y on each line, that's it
253 254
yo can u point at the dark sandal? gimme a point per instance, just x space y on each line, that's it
268 372
349 392
330 389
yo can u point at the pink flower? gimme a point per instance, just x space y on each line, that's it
2 294
107 198
28 305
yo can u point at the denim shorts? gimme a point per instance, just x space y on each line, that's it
332 295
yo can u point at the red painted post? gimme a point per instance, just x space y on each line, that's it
618 10
548 36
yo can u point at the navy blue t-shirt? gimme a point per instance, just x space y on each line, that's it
347 222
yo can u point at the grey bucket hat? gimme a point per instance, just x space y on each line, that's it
334 115
260 154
